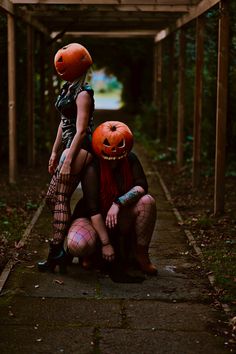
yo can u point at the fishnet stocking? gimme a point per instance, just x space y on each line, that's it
81 239
145 210
50 196
58 200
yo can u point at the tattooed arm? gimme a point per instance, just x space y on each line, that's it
132 196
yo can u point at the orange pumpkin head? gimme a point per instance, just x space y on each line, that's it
72 61
112 140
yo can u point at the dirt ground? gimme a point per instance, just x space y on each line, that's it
18 203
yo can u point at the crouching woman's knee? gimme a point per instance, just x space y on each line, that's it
81 238
148 201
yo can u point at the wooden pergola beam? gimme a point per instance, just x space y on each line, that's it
194 12
124 8
111 34
24 16
7 6
107 2
154 8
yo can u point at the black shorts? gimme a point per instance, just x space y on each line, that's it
87 143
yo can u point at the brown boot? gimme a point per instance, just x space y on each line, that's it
143 260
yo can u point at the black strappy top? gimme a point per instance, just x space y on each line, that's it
66 105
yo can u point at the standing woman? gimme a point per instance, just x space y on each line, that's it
75 104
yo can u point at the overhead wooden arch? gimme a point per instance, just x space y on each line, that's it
157 19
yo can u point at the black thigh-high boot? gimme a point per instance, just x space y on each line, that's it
57 256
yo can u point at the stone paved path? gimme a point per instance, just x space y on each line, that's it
83 312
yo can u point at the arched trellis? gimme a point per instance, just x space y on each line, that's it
222 88
193 11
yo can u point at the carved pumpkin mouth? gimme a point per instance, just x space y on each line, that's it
108 157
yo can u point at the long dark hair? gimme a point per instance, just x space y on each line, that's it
109 189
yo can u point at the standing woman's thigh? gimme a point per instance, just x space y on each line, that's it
80 161
81 238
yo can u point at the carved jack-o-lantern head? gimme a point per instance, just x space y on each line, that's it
112 140
72 61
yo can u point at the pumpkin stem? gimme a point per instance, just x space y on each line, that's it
113 128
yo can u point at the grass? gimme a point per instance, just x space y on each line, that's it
222 262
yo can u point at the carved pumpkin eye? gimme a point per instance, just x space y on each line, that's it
60 60
106 142
121 143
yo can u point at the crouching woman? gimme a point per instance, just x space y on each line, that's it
115 201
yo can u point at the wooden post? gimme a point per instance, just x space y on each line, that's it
158 84
181 96
42 84
155 74
159 89
221 109
198 102
169 128
12 99
30 97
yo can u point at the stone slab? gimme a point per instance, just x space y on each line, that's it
169 316
129 341
62 312
45 340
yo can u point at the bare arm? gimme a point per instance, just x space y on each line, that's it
53 161
99 226
83 103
